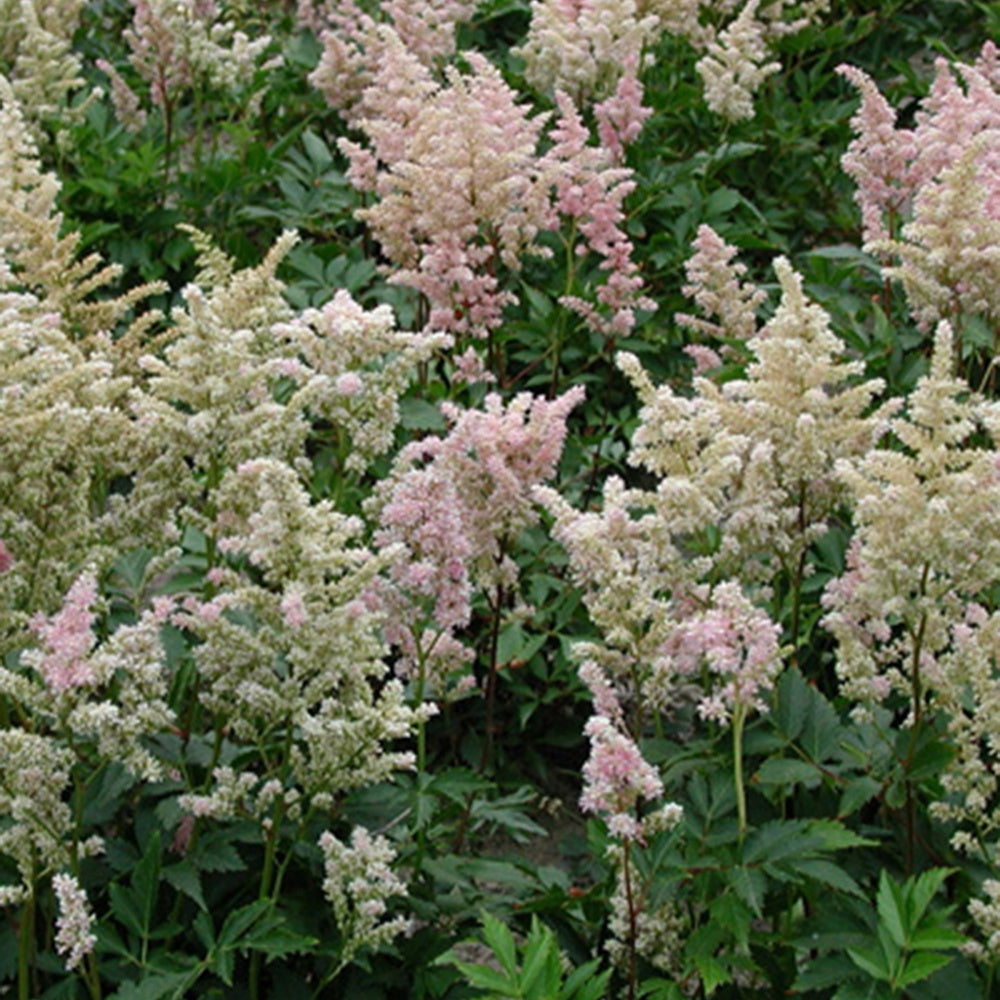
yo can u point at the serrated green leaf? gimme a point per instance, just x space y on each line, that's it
787 771
822 973
586 983
827 873
935 937
457 783
870 960
156 986
125 908
240 921
856 794
834 836
498 936
204 930
730 912
713 973
921 890
184 877
316 149
419 415
276 939
792 697
146 882
215 854
484 978
751 886
891 909
222 963
921 965
540 972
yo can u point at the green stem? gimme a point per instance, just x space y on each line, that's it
25 943
739 716
632 923
491 675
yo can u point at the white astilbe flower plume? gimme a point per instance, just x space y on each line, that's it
75 938
926 540
358 884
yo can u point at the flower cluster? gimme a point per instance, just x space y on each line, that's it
930 195
756 456
176 44
453 242
580 47
450 514
38 257
36 55
716 285
75 938
34 776
615 777
925 541
358 883
349 36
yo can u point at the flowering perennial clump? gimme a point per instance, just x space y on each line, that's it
930 195
453 242
450 514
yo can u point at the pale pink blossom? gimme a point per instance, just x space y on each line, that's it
615 777
67 638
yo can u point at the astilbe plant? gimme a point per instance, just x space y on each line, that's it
282 704
912 613
460 245
929 194
451 513
40 258
36 55
679 609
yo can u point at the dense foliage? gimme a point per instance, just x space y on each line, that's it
499 499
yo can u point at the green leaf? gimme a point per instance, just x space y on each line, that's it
892 909
204 930
419 415
872 961
213 853
457 783
498 936
540 971
730 912
146 882
125 908
240 921
585 983
921 965
751 886
276 939
856 794
713 973
936 937
788 771
922 891
828 873
184 877
485 978
157 986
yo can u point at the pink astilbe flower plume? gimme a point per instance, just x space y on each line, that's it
67 638
930 195
451 511
615 777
